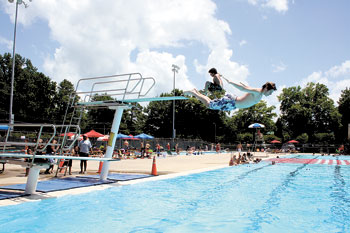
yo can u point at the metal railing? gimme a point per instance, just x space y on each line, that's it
127 84
38 144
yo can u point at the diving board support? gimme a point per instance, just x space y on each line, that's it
112 138
32 180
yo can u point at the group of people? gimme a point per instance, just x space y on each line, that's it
244 159
83 149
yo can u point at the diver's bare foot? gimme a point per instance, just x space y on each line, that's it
189 93
197 92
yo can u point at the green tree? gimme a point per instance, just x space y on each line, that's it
303 138
324 138
61 101
245 137
344 110
259 113
268 138
133 120
100 119
33 92
192 119
308 110
5 85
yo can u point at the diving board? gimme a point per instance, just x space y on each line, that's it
126 101
165 98
127 87
130 88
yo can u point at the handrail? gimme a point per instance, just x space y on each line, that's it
129 89
36 144
77 135
62 145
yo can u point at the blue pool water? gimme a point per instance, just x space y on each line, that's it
260 197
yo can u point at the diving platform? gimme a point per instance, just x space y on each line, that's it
127 101
117 92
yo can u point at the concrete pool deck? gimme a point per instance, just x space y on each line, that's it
167 167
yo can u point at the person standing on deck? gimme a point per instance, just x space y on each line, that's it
84 150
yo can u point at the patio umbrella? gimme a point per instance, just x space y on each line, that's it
103 139
69 134
93 134
122 136
275 141
4 127
144 136
293 141
130 137
256 125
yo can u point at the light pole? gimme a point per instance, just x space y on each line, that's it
18 2
175 69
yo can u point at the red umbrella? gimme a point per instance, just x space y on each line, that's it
293 141
105 138
275 141
93 134
67 134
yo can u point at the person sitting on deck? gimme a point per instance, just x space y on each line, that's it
230 102
51 150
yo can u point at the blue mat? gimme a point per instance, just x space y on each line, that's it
119 176
60 184
9 194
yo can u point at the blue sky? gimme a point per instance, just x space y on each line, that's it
251 41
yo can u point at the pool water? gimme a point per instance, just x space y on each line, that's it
286 197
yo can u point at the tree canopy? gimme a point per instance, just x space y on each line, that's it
308 110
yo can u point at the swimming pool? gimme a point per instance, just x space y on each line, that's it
286 197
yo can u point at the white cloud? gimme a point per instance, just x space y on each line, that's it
336 71
97 37
336 79
6 42
279 67
278 5
253 2
242 42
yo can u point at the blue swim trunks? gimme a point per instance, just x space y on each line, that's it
226 103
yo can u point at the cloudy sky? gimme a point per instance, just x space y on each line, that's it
289 42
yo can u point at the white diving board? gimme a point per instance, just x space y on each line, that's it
121 102
155 99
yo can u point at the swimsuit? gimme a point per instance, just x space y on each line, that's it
226 103
214 87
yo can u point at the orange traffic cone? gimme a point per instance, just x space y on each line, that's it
231 162
154 167
61 166
100 167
